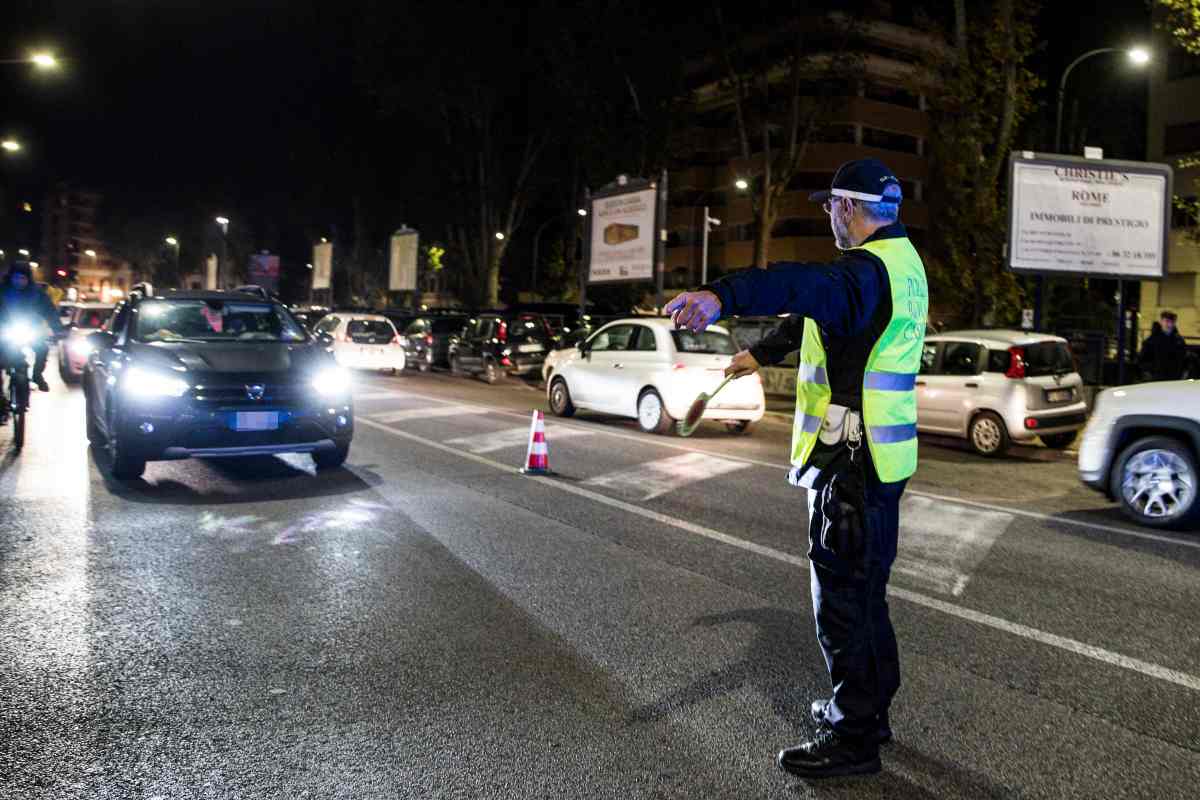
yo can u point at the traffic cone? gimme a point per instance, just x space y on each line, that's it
537 457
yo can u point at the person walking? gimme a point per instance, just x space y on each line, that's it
860 326
1164 353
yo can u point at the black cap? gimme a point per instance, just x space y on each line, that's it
865 179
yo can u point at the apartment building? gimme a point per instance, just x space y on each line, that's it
72 241
879 113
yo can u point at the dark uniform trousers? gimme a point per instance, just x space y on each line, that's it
849 592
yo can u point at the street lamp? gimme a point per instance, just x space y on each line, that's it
90 254
709 224
172 241
42 60
224 223
499 236
24 252
581 212
11 146
741 184
1138 56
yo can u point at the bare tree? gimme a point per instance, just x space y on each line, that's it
780 101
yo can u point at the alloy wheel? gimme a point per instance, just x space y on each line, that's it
1158 483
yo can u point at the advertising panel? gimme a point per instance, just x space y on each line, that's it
322 265
622 241
1089 216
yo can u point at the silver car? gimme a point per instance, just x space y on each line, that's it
997 387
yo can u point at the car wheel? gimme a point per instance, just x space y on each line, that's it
490 373
331 459
560 399
739 427
1058 441
89 412
1155 479
426 362
652 415
988 435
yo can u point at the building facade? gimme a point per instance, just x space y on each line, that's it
881 112
72 242
1173 137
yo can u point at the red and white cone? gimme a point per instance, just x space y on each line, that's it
537 457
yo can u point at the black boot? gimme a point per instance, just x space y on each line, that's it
881 735
830 756
40 382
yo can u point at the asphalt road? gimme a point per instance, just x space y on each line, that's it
427 622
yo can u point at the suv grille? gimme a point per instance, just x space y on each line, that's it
279 394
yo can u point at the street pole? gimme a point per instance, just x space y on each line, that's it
537 237
708 222
1120 332
660 242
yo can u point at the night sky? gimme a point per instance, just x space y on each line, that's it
254 108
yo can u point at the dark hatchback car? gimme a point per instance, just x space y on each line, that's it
493 344
212 374
427 340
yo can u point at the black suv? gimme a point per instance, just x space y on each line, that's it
427 340
212 374
492 344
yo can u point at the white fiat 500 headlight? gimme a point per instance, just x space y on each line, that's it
140 382
332 382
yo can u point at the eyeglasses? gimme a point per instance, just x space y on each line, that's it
828 205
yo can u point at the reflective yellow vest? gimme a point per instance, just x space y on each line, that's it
889 396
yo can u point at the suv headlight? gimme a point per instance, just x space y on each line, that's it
148 383
332 382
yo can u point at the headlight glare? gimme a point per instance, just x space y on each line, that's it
81 347
332 382
141 382
20 334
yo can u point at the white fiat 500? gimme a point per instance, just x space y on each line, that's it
363 341
645 369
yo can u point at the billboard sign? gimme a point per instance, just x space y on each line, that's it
1082 216
402 269
322 265
623 236
264 271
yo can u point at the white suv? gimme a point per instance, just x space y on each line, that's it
996 387
1141 448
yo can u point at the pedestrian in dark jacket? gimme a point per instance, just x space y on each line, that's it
1164 353
21 297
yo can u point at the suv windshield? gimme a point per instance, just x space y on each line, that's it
1048 358
215 320
706 342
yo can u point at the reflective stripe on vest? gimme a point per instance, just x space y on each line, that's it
889 381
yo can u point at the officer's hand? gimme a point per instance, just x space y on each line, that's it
694 310
743 364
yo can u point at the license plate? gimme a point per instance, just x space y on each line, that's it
256 421
1058 395
530 348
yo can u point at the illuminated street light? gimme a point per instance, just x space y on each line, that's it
24 252
308 265
90 253
581 212
34 265
171 240
742 184
499 236
11 146
44 60
1139 56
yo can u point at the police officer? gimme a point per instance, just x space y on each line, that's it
859 325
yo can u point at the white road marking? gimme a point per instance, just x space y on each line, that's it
655 478
997 623
514 437
941 544
426 412
663 442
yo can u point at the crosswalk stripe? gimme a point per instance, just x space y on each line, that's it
656 478
396 394
512 437
941 544
426 412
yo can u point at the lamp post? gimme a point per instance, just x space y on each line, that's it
173 243
223 222
709 224
537 238
1139 56
41 60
